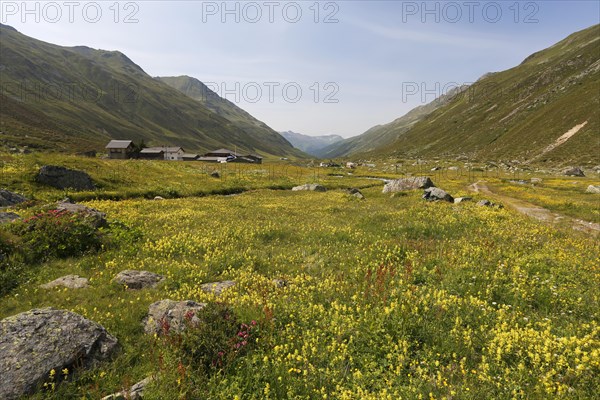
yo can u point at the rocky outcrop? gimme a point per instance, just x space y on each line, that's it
400 185
95 217
138 279
68 281
35 342
593 189
217 287
313 187
576 171
136 392
8 199
437 194
64 178
6 217
355 193
167 316
459 200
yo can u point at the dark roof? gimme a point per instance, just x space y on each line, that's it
224 151
166 149
152 150
187 155
118 144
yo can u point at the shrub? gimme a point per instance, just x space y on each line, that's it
56 234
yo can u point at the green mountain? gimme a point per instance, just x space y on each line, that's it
547 109
312 145
77 98
381 136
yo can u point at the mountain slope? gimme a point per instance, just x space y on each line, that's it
547 109
198 91
78 98
382 135
312 145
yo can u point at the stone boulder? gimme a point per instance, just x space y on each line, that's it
437 194
95 217
593 189
171 316
215 174
459 200
355 193
64 178
40 340
8 199
535 181
403 184
576 171
313 187
216 287
487 203
6 217
136 392
68 281
138 279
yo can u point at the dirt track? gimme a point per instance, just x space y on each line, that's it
537 212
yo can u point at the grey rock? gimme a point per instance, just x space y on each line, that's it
215 174
34 342
280 283
138 279
6 217
216 287
68 281
436 168
535 181
159 198
403 184
593 189
64 178
171 316
355 193
459 200
484 203
8 198
437 194
95 217
136 392
576 171
311 187
452 168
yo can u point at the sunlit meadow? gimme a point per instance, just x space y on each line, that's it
384 298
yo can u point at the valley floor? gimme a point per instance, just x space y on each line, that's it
382 298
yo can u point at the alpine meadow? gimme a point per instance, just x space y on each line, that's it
165 232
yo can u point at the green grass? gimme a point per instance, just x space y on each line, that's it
386 297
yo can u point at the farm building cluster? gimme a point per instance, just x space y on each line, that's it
125 149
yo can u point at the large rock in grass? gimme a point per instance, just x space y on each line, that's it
64 178
313 187
593 189
217 287
6 217
8 198
68 281
574 172
167 316
404 184
96 218
138 279
437 194
35 342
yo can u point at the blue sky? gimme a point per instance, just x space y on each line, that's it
329 67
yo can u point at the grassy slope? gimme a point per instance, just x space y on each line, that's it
381 136
198 91
122 102
517 113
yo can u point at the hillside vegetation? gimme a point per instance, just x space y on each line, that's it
516 114
77 98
